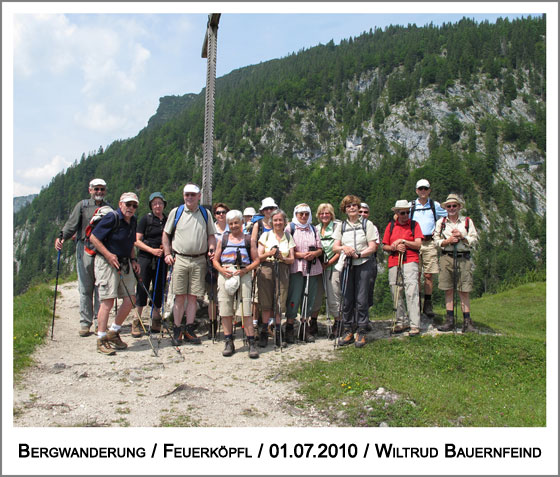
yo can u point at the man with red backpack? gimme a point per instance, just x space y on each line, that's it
115 267
403 239
456 236
75 226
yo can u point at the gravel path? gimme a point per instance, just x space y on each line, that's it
73 385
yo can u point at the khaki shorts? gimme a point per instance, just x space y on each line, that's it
465 277
227 302
266 286
109 283
189 276
429 257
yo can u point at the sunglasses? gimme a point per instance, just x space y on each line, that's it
352 205
190 194
363 212
404 212
269 208
423 188
134 205
220 212
99 189
451 206
303 213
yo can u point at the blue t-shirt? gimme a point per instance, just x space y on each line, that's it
121 241
424 216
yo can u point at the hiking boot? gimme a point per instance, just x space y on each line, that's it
270 330
114 338
177 333
448 325
468 326
401 327
263 336
156 324
84 331
189 336
335 330
428 310
104 347
253 353
369 327
289 335
229 347
347 339
136 331
360 339
305 333
414 331
313 327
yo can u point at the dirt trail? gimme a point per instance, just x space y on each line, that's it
73 385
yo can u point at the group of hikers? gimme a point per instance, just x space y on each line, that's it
262 265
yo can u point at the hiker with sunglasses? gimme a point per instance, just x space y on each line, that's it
150 258
188 238
115 267
305 272
426 212
402 240
356 238
75 227
456 235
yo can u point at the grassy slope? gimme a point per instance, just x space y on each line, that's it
448 380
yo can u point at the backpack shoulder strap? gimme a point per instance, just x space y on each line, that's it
225 238
392 227
292 228
314 231
412 227
204 213
442 228
433 207
467 220
178 214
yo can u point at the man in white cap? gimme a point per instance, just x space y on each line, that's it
426 212
76 226
456 236
115 265
188 238
402 240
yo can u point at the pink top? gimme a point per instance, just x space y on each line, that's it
304 239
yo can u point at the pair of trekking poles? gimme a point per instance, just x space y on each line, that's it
344 285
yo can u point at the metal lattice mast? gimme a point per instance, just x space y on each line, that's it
209 49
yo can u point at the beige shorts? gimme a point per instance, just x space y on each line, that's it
429 257
465 273
108 280
227 302
266 286
189 276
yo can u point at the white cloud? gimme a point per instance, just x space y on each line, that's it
29 180
98 118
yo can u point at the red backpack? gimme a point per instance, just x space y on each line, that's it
99 213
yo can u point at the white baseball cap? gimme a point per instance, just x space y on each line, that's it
191 188
97 182
232 284
422 183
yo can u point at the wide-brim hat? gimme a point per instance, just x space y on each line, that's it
249 211
156 195
232 284
401 204
453 199
268 202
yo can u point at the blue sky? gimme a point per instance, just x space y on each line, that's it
84 79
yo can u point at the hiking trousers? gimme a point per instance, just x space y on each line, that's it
411 292
89 295
355 307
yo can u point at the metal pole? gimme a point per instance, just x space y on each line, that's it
209 49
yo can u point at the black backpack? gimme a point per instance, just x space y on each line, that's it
246 243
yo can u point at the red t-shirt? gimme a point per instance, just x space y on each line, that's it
402 232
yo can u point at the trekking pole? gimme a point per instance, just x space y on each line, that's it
276 308
398 286
154 294
213 328
329 321
163 322
455 313
56 286
238 263
345 272
139 280
304 303
134 306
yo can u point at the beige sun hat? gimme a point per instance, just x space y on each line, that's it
453 199
401 204
129 197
